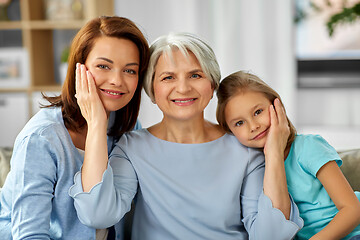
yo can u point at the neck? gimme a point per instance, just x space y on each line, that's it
180 131
78 138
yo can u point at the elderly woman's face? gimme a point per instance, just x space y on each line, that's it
181 89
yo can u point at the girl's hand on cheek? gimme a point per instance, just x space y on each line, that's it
88 98
279 130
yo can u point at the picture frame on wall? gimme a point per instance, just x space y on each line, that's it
14 68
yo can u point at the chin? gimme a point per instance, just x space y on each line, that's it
113 109
256 145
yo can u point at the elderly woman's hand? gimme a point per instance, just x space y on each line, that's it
279 131
88 98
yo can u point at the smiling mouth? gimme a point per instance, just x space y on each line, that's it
113 93
184 101
260 135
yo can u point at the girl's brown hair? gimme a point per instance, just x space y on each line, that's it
240 82
82 44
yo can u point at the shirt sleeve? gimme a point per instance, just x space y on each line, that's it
260 219
316 152
108 201
35 174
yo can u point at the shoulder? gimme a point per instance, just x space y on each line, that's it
312 142
134 139
252 157
313 151
138 135
46 125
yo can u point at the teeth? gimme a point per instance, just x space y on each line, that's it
113 93
183 101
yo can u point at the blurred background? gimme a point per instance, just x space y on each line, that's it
308 51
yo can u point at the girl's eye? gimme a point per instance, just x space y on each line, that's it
103 66
257 112
130 71
239 123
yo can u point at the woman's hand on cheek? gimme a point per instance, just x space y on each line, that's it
279 130
88 98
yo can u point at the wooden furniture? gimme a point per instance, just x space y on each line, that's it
37 38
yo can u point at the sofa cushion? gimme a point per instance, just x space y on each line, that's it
351 167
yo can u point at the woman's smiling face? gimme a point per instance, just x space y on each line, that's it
114 64
181 89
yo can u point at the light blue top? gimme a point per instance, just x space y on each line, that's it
34 201
201 191
307 155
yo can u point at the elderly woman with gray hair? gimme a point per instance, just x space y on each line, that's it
191 180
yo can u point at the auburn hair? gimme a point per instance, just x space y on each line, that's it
82 44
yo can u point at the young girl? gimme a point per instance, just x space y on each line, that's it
326 202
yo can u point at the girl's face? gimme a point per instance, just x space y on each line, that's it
114 64
248 117
181 89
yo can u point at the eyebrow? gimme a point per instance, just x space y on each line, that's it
105 59
191 72
196 70
112 62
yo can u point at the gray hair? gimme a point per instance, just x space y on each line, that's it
185 42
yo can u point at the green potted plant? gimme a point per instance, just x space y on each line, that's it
348 13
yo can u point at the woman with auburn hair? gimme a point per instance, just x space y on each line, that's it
111 54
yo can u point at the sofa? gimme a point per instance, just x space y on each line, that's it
350 168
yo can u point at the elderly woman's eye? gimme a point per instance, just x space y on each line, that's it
195 75
167 78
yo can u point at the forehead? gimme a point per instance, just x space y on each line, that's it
244 101
176 58
114 46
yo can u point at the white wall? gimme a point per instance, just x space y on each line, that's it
251 35
256 35
332 113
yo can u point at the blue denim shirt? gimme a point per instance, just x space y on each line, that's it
34 201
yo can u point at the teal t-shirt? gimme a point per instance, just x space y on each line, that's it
307 155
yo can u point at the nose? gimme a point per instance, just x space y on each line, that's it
254 125
116 78
183 85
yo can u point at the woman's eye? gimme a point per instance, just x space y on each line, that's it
257 112
239 123
195 75
167 78
102 66
130 71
